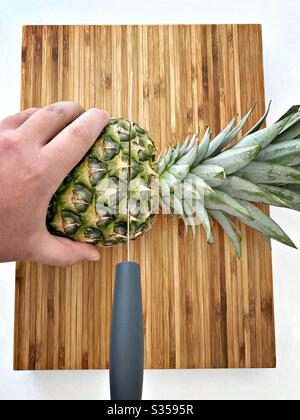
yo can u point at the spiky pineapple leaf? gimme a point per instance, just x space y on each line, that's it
260 122
177 206
217 200
212 174
293 187
189 224
171 180
291 133
291 121
230 229
234 159
164 161
286 153
264 224
184 147
219 140
268 240
293 110
164 188
263 137
240 188
192 143
292 198
202 148
269 173
201 217
175 154
204 218
190 156
232 135
168 156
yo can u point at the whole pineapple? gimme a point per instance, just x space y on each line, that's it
122 182
91 205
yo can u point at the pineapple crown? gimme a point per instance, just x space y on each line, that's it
262 167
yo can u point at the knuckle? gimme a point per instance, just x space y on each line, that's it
8 121
30 111
14 118
80 132
100 113
33 173
7 142
76 106
58 109
95 111
62 109
34 170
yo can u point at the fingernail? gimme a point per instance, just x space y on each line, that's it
94 257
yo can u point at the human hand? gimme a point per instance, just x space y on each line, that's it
38 148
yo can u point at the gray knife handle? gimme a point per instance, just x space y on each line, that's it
127 335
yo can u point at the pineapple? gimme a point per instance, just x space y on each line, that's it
91 205
122 182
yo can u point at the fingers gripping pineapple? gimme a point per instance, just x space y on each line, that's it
123 174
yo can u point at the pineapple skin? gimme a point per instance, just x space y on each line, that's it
91 205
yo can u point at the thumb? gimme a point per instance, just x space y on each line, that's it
63 252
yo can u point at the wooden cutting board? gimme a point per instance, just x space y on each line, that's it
202 307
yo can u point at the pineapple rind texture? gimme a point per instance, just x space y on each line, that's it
91 205
263 166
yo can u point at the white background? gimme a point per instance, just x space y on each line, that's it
280 21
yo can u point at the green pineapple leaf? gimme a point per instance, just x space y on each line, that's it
231 230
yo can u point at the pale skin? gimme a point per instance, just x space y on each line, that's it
38 148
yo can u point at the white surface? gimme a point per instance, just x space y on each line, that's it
280 21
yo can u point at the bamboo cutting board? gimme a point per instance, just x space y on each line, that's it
202 308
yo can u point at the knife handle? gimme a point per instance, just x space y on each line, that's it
127 335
